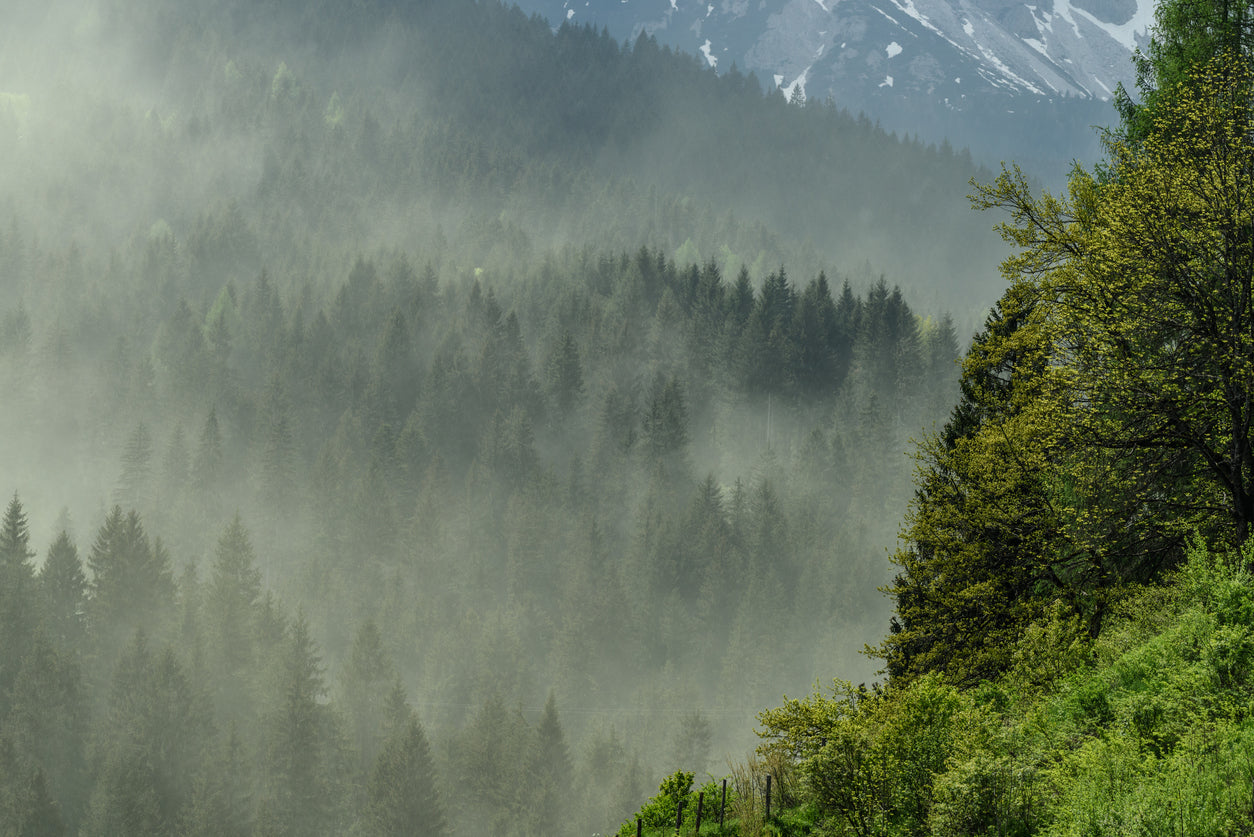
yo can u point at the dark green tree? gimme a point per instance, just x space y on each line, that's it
134 485
278 448
402 796
154 740
818 341
664 428
982 533
366 685
394 381
17 595
564 375
47 724
63 591
551 773
301 790
207 466
132 584
493 751
232 599
222 793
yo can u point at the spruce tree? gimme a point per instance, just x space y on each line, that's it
367 681
232 599
63 591
17 590
299 798
132 584
551 772
402 796
134 486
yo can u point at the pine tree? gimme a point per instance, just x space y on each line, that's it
232 599
692 744
17 589
134 486
493 749
299 796
132 584
367 681
207 467
63 591
222 799
48 723
665 425
278 453
564 374
393 388
817 340
402 798
551 772
155 737
980 530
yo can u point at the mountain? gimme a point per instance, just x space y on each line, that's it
1005 78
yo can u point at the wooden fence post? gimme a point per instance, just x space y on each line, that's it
700 803
768 796
639 825
722 808
679 816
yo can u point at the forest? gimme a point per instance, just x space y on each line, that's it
421 420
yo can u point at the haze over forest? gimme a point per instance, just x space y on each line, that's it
413 393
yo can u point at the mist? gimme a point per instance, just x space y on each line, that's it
429 397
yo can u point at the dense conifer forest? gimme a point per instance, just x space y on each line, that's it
420 420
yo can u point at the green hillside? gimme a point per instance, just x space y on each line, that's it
1070 648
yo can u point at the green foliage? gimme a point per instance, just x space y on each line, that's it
981 535
1106 409
1149 732
402 794
662 809
868 758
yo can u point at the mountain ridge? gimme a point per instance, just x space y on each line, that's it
921 67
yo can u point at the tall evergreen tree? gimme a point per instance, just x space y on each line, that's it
367 682
134 485
552 773
564 374
155 737
665 425
402 796
63 592
299 796
132 584
817 340
222 794
17 591
231 605
48 724
207 466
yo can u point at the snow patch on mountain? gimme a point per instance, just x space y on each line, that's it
893 49
705 50
797 88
